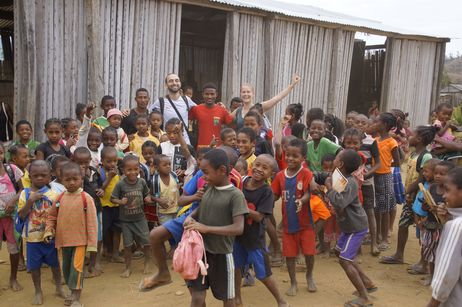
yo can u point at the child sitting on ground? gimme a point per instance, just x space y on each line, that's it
293 184
33 208
72 223
246 144
353 223
250 247
218 229
141 136
447 282
130 193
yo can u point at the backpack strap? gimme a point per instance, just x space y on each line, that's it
186 102
156 185
84 200
10 172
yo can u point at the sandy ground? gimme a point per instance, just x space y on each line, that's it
396 286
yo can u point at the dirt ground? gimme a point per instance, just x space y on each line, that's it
396 286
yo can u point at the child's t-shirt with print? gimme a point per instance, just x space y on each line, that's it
315 155
170 192
7 190
262 201
176 156
291 188
386 148
47 150
106 199
135 192
37 218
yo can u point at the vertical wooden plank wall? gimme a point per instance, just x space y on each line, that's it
409 84
50 60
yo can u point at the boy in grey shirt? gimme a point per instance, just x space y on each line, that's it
352 220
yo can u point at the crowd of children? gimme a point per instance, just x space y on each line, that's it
146 177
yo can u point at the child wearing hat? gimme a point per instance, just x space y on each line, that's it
114 117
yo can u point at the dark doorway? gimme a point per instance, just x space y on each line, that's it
201 47
366 76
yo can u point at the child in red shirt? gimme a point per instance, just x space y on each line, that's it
293 185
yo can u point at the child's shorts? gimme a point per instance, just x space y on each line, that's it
164 218
220 277
349 243
258 258
135 231
175 227
384 193
39 253
368 196
406 218
73 263
111 219
7 233
292 242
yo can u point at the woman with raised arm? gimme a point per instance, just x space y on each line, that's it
247 96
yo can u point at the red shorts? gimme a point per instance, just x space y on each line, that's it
304 239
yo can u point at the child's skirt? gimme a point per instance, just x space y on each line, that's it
429 239
384 194
398 187
331 230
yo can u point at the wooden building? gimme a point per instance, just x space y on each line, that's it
71 51
452 94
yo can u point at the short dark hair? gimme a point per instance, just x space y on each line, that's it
217 158
224 132
70 166
255 115
426 133
79 108
142 116
159 158
314 113
296 109
388 119
442 105
351 160
23 122
156 111
172 121
245 165
106 98
129 158
249 132
301 144
58 159
328 158
203 150
66 121
82 151
298 130
455 176
39 163
108 150
236 99
14 150
150 144
448 164
231 153
109 129
52 121
209 85
352 132
141 89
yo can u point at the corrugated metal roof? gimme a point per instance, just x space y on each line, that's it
318 14
452 88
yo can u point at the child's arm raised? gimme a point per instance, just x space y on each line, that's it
234 229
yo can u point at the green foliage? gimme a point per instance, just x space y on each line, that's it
457 115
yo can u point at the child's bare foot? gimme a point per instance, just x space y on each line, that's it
126 273
426 281
375 251
292 291
38 299
238 302
311 285
147 268
76 304
15 286
150 283
60 292
92 273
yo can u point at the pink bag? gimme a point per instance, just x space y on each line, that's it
187 259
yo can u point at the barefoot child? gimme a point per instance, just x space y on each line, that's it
92 186
10 181
33 207
130 193
219 222
111 222
292 184
250 248
353 223
447 281
72 223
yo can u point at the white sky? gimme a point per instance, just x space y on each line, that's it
441 18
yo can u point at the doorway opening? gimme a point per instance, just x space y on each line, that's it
202 42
